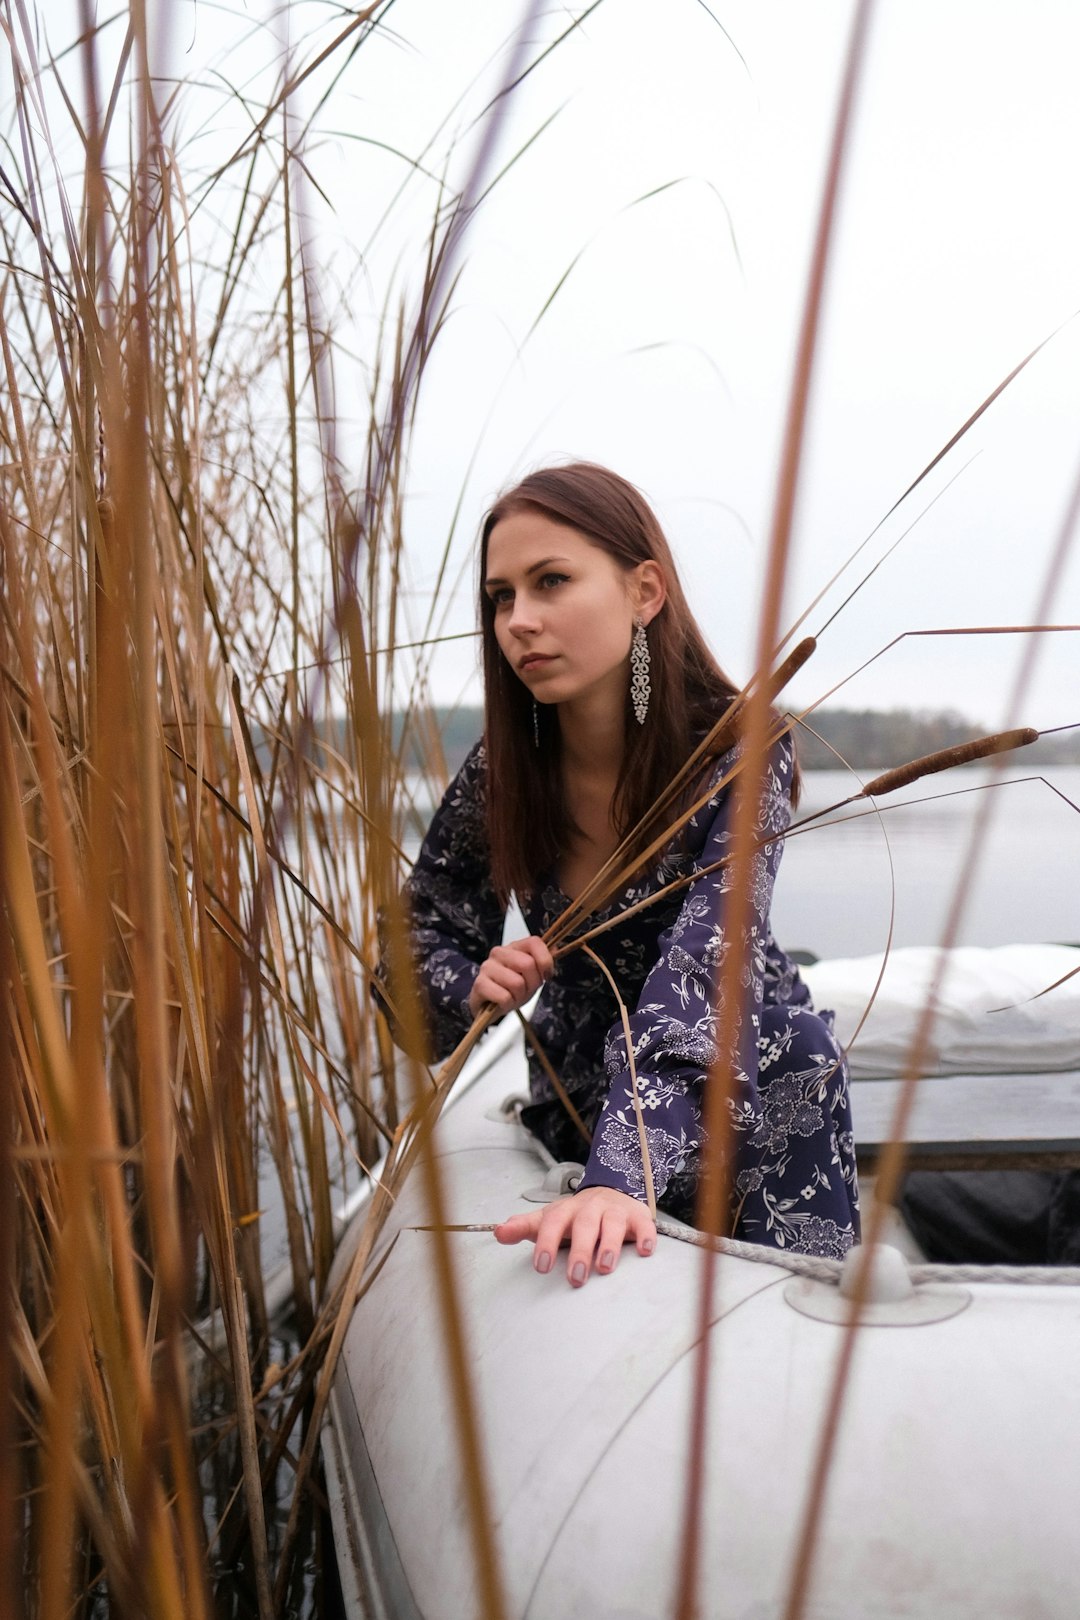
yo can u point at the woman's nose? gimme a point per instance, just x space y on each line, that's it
523 616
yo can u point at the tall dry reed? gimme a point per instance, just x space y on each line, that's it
202 803
203 797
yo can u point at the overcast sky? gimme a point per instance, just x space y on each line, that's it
667 351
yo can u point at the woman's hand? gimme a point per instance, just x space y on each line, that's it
596 1223
511 974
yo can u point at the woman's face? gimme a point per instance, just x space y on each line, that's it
564 610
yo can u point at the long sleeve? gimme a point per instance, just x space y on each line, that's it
674 1028
453 913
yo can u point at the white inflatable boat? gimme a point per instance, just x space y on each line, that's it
955 1484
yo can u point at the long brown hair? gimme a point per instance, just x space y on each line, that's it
529 825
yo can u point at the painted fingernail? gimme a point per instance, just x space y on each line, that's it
607 1260
577 1276
648 1246
543 1262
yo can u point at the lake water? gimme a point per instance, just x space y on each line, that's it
835 888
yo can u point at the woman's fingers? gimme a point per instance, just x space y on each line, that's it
645 1234
519 1228
529 958
512 973
540 954
583 1236
501 984
595 1223
555 1222
611 1239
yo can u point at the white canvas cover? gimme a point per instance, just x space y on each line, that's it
990 1012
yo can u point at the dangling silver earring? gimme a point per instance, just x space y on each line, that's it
536 724
640 685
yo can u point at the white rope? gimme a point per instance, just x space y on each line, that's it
821 1267
825 1269
1043 1276
818 1266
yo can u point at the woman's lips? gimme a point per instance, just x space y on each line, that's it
535 661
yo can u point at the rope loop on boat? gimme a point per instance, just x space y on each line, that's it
822 1268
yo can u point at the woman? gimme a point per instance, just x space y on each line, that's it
598 686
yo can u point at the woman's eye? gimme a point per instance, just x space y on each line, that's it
503 596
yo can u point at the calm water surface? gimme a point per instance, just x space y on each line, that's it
836 886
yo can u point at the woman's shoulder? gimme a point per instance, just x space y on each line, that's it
470 780
457 831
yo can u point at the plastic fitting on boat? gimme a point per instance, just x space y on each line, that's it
889 1298
560 1180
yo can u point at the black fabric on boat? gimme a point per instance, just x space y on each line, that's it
551 1124
995 1217
1065 1220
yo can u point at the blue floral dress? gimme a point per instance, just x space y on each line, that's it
793 1182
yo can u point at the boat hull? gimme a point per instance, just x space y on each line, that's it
955 1480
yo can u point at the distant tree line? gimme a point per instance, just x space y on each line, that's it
879 738
862 737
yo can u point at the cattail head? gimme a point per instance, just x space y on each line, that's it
945 758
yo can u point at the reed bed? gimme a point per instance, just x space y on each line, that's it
204 797
203 800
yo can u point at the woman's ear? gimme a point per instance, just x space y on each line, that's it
650 590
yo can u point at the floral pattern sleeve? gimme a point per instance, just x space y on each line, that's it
674 1028
454 915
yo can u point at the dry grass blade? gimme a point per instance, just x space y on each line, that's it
416 1129
935 461
554 1080
194 967
643 1139
612 878
1045 991
894 1158
1030 630
9 1481
197 615
711 1202
381 488
633 851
